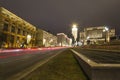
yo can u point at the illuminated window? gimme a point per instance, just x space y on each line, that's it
6 20
12 39
5 28
24 33
19 31
12 29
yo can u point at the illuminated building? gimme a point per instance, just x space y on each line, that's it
45 39
96 35
14 31
63 40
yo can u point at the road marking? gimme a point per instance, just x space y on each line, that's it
27 71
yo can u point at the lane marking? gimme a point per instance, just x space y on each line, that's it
27 71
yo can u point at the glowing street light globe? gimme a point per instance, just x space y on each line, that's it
106 28
28 38
74 31
74 26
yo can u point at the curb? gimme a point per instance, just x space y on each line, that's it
102 50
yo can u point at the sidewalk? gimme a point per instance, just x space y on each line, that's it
62 67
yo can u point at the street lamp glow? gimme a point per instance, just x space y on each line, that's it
88 37
74 31
28 38
106 28
74 26
103 30
44 41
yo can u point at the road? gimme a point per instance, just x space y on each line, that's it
101 56
14 61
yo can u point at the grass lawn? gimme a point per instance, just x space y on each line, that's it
62 67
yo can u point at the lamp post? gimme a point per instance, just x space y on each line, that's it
74 32
28 39
106 30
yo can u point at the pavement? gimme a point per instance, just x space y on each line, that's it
16 60
33 67
15 64
99 64
101 56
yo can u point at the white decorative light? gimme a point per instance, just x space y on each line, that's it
88 37
74 31
106 28
28 38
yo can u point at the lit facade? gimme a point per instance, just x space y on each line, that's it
63 40
45 39
14 31
96 35
112 32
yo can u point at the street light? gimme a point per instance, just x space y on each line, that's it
28 39
74 31
106 30
74 26
88 38
44 42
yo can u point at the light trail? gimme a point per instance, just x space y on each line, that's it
5 53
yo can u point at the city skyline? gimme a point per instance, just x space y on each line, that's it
39 39
58 16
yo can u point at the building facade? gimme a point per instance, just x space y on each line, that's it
14 31
18 33
96 35
45 39
63 40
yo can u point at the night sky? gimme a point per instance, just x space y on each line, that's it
58 15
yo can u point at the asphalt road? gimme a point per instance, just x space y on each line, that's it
15 61
101 56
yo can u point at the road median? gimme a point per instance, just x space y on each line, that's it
62 67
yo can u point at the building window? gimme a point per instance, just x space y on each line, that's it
12 39
6 20
3 37
12 29
19 31
18 38
23 32
5 28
